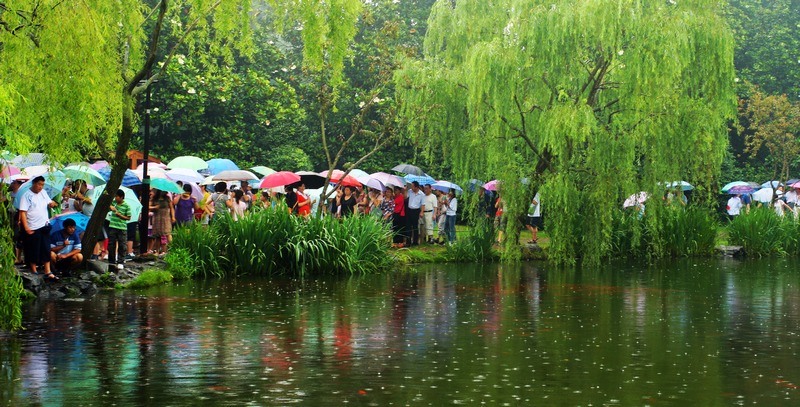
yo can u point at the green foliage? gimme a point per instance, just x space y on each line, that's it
11 290
476 246
275 242
195 250
762 232
664 231
589 101
150 278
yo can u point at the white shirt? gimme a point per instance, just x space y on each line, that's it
35 206
734 206
537 209
415 199
430 202
778 207
452 207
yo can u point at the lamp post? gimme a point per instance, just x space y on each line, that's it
143 238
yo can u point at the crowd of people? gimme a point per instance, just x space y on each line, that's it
782 202
417 214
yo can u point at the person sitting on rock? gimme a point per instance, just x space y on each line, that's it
65 247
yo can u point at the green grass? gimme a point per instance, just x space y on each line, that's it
762 232
150 278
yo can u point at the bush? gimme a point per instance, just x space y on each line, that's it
664 231
150 278
476 246
762 232
276 242
181 263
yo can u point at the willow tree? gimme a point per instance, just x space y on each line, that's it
72 72
592 100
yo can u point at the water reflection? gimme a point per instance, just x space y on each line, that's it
711 332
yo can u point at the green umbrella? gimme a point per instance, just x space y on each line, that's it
91 176
165 185
130 198
262 170
188 161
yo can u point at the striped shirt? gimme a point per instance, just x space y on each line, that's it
116 222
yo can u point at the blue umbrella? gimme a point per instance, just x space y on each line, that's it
29 160
423 179
130 198
217 165
53 184
771 184
129 179
733 184
80 219
446 186
684 186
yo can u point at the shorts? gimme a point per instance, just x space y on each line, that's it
133 227
534 221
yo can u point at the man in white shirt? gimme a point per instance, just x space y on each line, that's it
36 226
429 204
734 206
414 212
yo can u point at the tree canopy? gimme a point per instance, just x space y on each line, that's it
591 100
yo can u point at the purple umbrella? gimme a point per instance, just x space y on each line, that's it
741 190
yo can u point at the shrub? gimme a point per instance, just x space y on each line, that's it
664 231
181 263
204 246
150 278
761 232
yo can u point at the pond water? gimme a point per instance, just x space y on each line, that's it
699 332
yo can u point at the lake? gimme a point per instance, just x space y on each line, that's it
683 332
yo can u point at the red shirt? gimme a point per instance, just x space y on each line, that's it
400 205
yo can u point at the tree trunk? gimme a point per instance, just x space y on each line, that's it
120 164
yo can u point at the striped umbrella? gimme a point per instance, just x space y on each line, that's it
128 180
29 160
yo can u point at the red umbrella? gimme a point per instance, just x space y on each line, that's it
336 177
279 179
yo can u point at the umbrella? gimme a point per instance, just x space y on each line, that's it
796 184
35 170
338 177
262 170
685 186
29 160
188 161
634 199
218 165
491 185
408 169
446 186
763 195
15 177
389 179
792 181
279 179
53 184
424 179
128 180
741 190
473 183
84 173
310 179
8 170
235 175
771 184
209 180
80 219
153 173
150 166
130 198
374 184
184 175
99 164
360 175
733 184
165 185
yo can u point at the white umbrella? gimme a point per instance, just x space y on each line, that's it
184 175
763 195
235 175
446 186
153 173
35 170
632 200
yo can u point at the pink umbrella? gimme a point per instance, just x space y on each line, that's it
9 170
196 192
336 177
491 185
388 179
279 179
634 199
98 165
151 165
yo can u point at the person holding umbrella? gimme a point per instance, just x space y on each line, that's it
118 230
304 203
65 247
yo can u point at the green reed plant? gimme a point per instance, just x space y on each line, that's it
181 263
664 231
761 232
204 244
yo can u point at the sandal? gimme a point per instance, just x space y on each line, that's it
51 277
